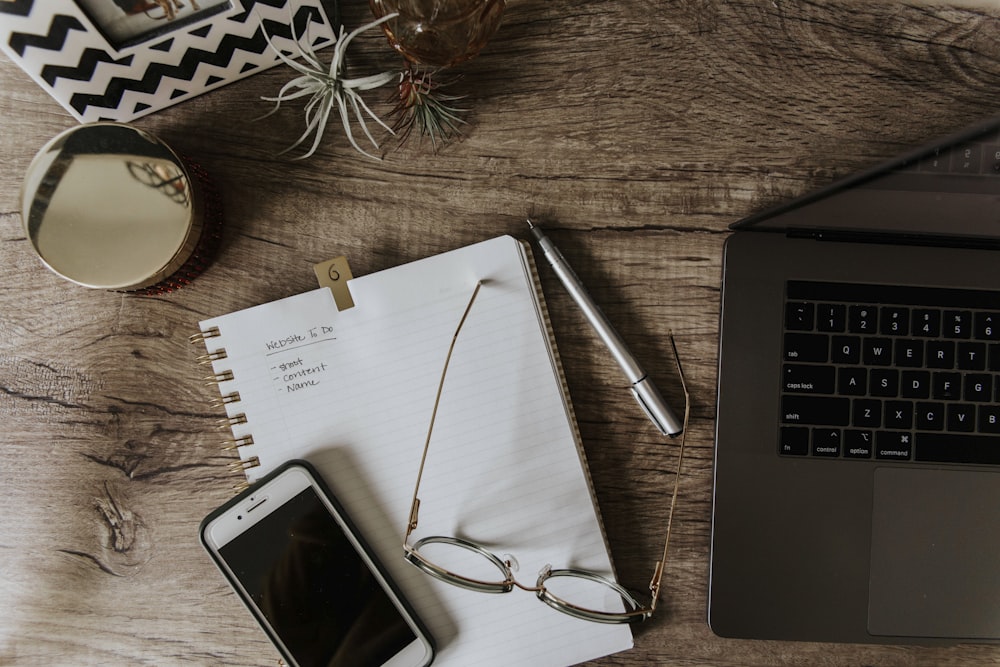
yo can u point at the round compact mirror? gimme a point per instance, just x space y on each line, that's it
108 206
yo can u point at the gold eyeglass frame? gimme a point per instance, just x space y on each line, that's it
634 611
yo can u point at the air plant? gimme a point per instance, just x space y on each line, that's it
419 98
327 87
421 104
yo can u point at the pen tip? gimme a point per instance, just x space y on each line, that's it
530 224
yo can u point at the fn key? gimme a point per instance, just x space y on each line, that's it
793 441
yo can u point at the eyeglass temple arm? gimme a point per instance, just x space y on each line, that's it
415 505
654 584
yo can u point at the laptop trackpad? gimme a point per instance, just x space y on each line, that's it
935 560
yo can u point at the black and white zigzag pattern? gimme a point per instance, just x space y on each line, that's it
68 56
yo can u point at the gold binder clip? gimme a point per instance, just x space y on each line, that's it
206 359
229 422
334 274
234 443
244 464
231 397
242 486
201 336
218 378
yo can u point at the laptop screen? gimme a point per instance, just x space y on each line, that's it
949 190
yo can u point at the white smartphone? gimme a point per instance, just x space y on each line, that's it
297 562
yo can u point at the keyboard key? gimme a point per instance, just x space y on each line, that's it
893 445
894 321
909 353
947 386
926 323
937 161
876 351
805 347
940 354
930 416
883 382
826 442
915 384
799 316
852 381
898 415
862 319
961 417
991 159
989 419
987 326
807 379
958 448
867 412
971 356
845 349
794 441
815 410
966 160
978 387
858 444
831 317
957 324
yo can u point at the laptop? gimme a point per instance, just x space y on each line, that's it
857 448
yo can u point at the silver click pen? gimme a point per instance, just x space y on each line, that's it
642 387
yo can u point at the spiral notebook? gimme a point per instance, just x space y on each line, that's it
352 391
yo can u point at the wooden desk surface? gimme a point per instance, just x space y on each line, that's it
638 130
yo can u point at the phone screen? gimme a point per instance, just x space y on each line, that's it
314 589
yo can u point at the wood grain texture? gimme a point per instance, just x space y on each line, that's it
637 130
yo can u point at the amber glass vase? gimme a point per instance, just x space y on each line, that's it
439 33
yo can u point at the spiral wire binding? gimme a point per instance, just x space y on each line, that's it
202 336
241 465
211 356
219 378
235 443
244 464
229 422
231 397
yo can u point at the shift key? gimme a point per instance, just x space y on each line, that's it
815 410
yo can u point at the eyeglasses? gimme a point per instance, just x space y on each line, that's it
579 593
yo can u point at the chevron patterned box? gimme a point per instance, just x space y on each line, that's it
122 59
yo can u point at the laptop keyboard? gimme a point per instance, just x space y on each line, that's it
891 373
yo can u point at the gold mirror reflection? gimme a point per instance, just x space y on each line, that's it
109 206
